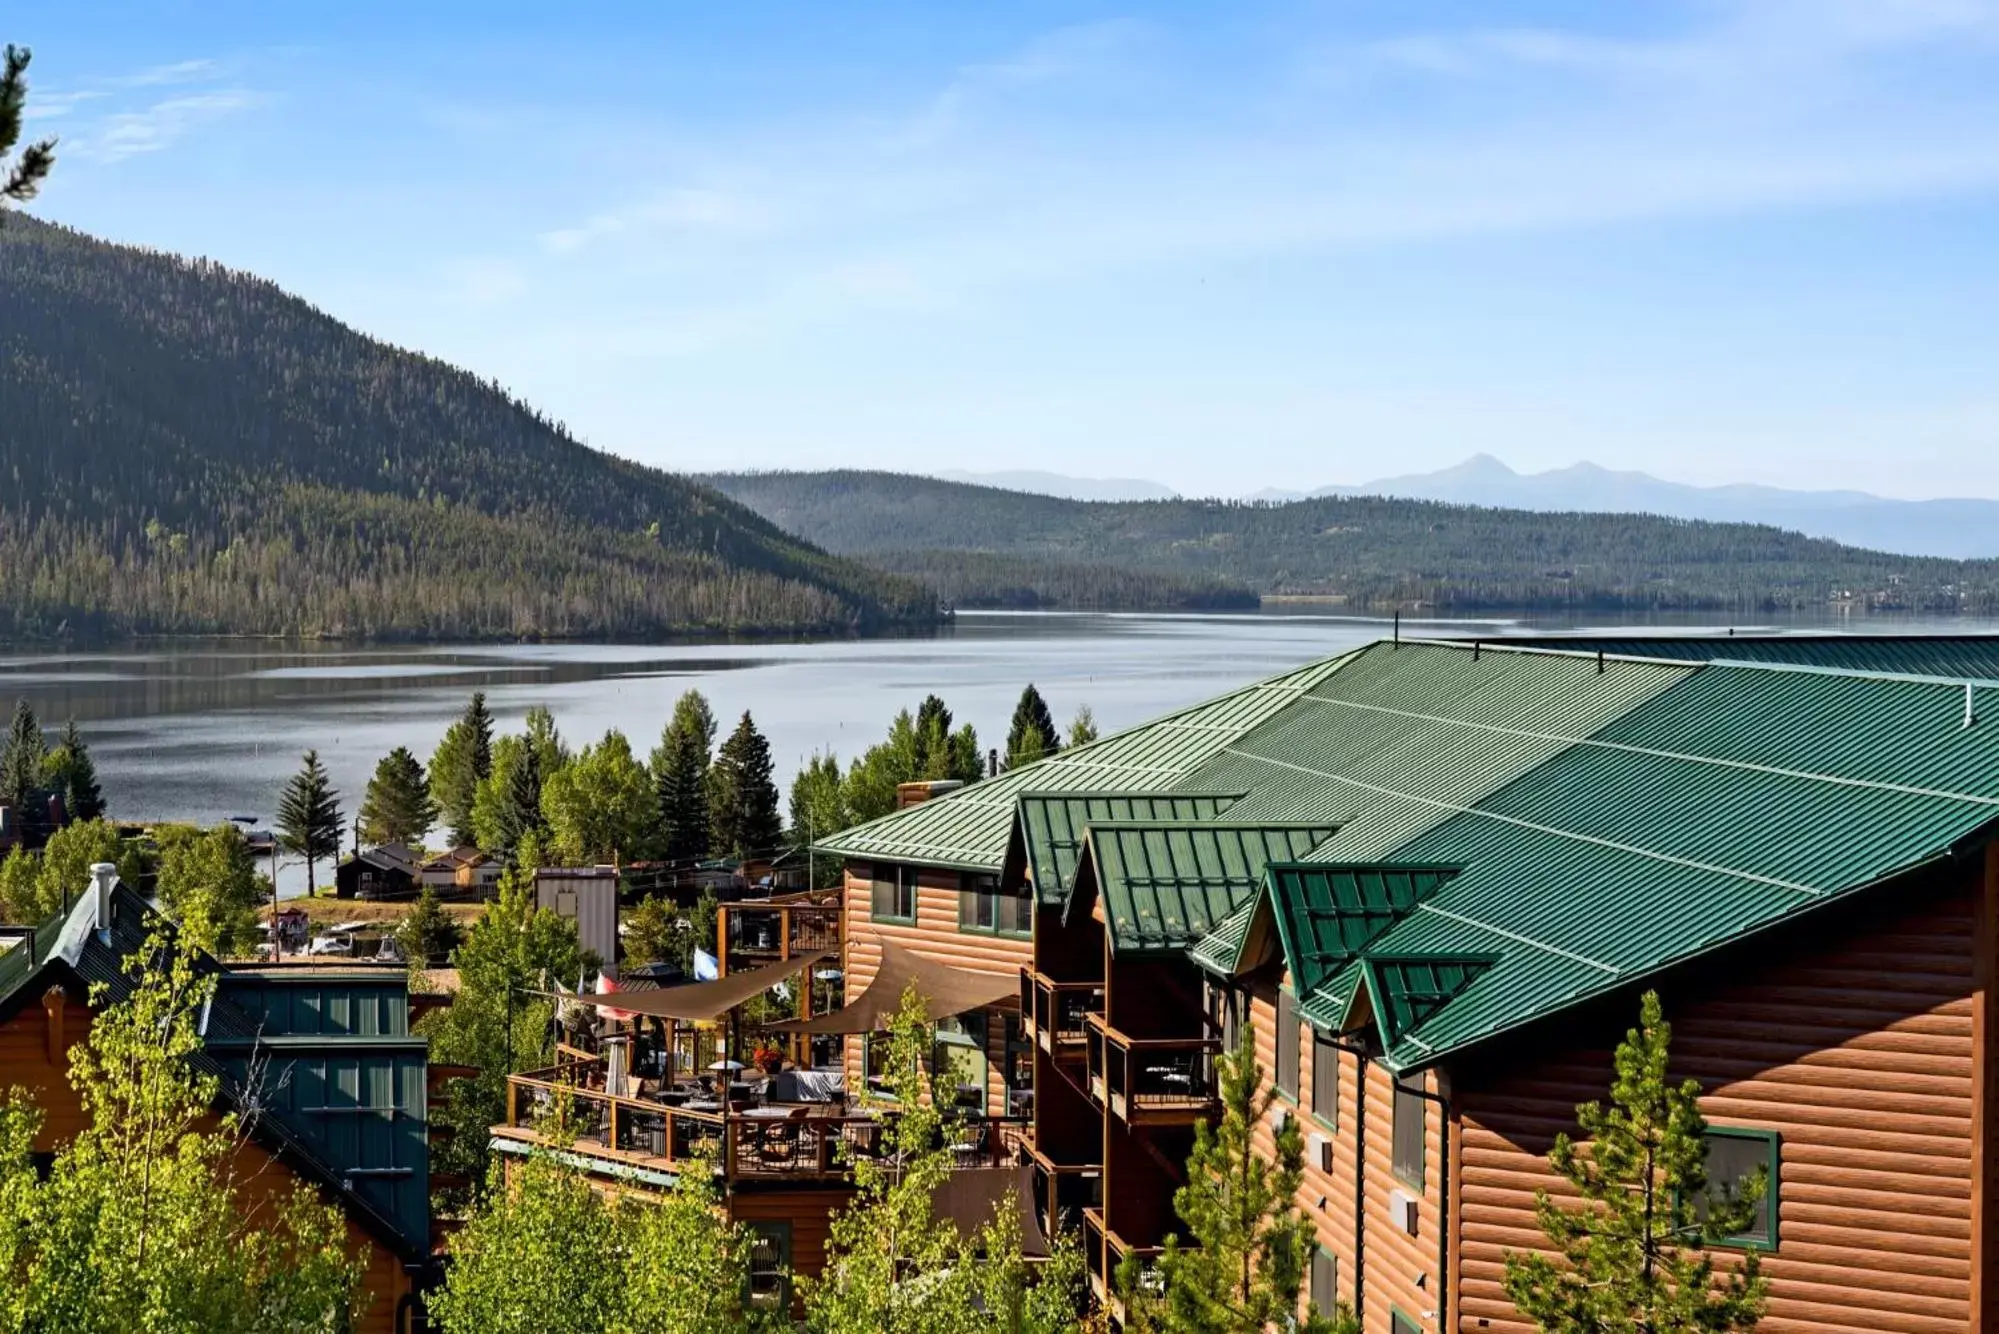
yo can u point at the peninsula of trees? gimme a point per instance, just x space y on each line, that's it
188 449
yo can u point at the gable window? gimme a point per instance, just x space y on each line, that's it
1325 1280
1734 1156
1411 1129
1287 1044
1325 1079
770 1264
894 897
983 907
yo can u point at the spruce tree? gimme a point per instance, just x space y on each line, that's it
520 813
397 807
463 760
1032 734
1634 1251
70 772
680 766
20 182
1245 1267
309 816
22 758
743 815
1083 727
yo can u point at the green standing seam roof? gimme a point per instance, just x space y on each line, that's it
1164 886
1051 827
1407 990
1958 656
1328 914
969 829
1220 951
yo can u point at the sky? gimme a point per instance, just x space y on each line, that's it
1224 247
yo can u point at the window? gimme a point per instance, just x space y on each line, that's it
958 1061
983 907
1017 1065
1733 1157
894 893
1325 1280
770 1264
1325 1079
1411 1129
1224 1014
1287 1043
1402 1324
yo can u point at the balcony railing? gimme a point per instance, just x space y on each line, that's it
758 933
1062 1191
789 1142
1103 1252
1159 1080
1055 1012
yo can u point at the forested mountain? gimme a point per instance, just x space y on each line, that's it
978 579
1371 551
184 448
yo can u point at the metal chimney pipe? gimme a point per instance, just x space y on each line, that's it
103 875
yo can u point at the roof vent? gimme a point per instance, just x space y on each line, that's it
103 877
1969 716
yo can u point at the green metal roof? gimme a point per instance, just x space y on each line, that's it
1220 951
969 829
1327 914
1958 656
1406 990
1048 834
1164 886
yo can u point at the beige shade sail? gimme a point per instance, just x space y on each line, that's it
698 1001
945 990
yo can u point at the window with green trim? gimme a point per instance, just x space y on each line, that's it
1411 1131
1325 1280
1287 1043
1325 1079
983 907
894 893
1734 1156
1402 1324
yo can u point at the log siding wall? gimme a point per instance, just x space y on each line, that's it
935 935
1859 1053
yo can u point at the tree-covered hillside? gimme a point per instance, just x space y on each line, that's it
1369 551
184 448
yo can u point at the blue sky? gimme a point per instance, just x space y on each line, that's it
1223 246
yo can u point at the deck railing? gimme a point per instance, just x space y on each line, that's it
1158 1079
1104 1251
1055 1012
1062 1191
743 1146
762 932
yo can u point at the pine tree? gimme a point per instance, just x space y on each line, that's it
397 807
22 758
1245 1268
309 816
463 760
680 766
70 772
20 182
1032 734
743 815
1634 1252
427 933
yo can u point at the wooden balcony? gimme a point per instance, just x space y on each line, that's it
753 934
1103 1252
1062 1191
1054 1013
1151 1081
802 1143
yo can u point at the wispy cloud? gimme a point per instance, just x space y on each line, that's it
128 134
180 71
679 210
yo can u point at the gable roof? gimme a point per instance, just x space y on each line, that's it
1047 839
968 829
1521 829
1165 885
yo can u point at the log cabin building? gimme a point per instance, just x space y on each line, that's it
1430 880
317 1063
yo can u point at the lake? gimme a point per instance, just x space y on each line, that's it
206 730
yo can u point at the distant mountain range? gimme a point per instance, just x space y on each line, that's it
1361 551
1064 487
1954 529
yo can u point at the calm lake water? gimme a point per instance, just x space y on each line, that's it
204 731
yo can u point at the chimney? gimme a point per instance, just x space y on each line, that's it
992 763
103 876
